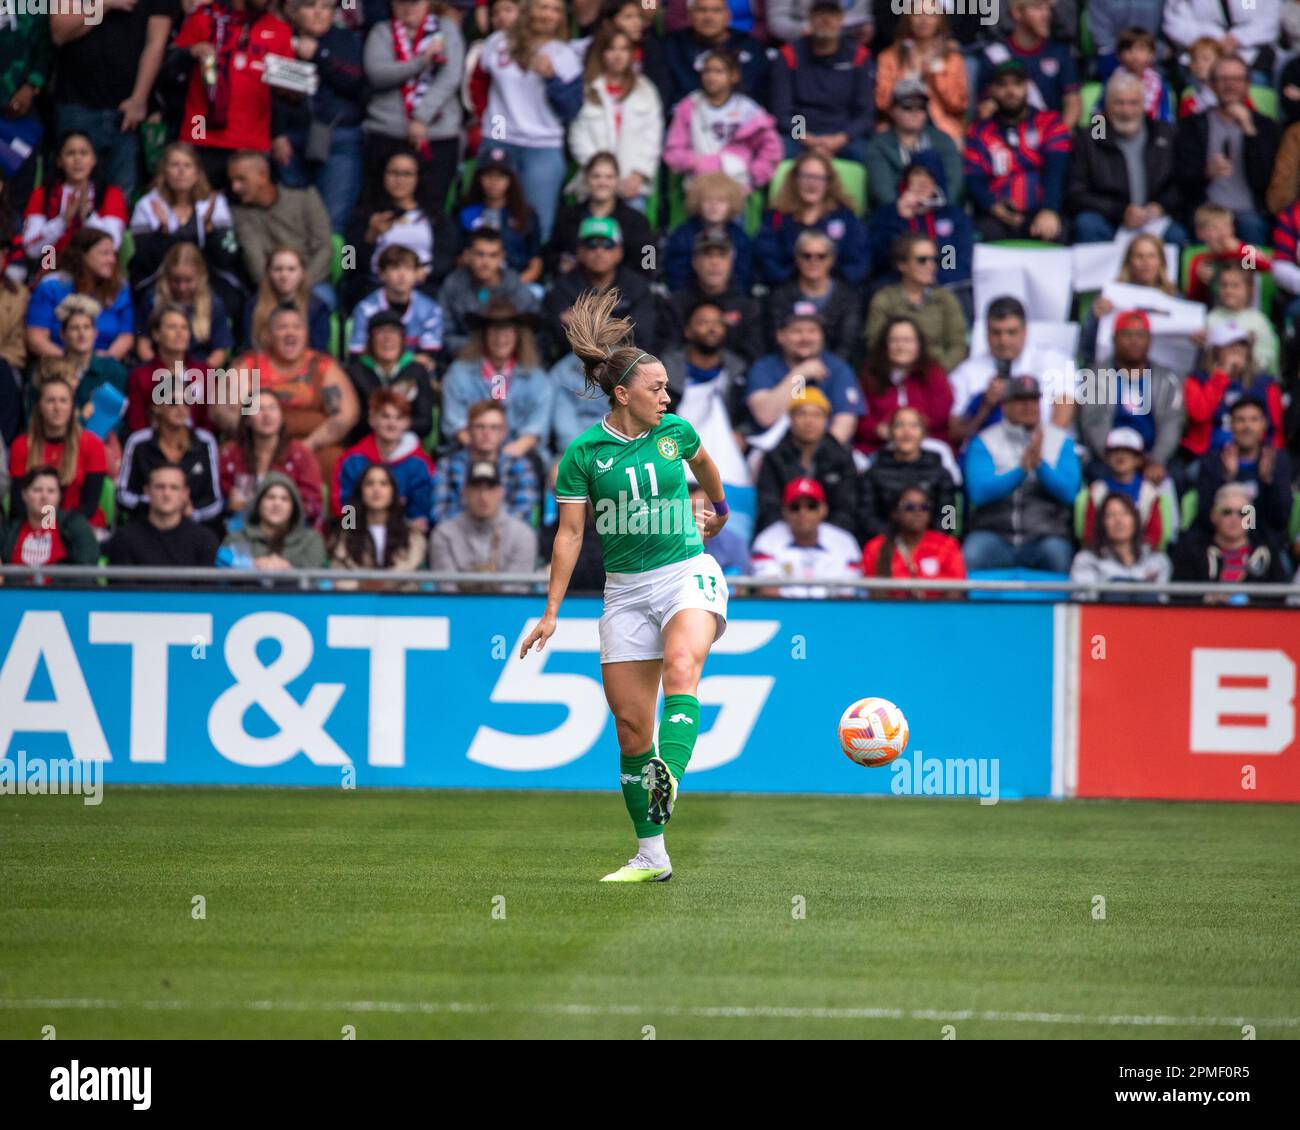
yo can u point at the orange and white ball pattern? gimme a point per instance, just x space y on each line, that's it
873 732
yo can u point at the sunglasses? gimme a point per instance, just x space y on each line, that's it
911 106
804 504
923 259
913 507
813 255
1225 511
599 244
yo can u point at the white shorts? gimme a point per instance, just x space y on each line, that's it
638 605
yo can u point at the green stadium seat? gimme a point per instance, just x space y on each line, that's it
1264 291
108 502
1191 504
127 250
1264 99
1087 48
1089 100
853 177
336 262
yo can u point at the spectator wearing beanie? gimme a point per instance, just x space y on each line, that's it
809 451
387 363
904 463
822 80
392 443
912 547
1021 477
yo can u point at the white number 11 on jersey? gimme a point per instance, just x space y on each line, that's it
654 483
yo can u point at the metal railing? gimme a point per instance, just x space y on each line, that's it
335 580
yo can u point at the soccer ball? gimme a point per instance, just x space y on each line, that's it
873 732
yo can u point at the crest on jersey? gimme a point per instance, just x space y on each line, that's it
668 447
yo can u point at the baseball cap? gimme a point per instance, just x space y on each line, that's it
1010 67
712 241
600 227
1125 439
385 319
484 472
1132 319
799 488
801 309
1228 333
814 396
908 88
494 158
1023 388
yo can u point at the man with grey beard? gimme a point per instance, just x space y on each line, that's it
1122 172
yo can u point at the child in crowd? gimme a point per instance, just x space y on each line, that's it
399 275
1136 49
1215 229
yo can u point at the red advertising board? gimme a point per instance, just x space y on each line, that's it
1188 703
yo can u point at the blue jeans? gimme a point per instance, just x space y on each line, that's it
118 152
542 172
1093 227
337 179
984 549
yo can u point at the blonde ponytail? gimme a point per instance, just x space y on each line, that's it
602 342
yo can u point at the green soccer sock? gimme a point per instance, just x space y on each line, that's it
635 796
678 729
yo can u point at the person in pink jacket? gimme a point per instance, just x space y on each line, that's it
716 128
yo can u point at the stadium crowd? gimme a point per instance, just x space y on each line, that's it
285 283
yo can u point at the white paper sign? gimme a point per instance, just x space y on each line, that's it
1039 277
1173 321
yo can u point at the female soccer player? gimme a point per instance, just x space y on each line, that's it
665 598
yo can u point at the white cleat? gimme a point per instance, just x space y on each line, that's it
638 869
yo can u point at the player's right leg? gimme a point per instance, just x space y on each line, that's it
632 691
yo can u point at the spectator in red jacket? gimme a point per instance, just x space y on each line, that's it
261 445
228 105
910 548
1211 392
900 373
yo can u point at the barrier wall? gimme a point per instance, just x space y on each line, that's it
1188 703
306 689
292 689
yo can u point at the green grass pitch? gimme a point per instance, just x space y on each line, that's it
375 909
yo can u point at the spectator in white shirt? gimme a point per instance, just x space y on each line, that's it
804 547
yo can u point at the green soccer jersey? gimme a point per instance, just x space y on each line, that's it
637 485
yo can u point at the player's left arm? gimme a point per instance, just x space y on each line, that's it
707 475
